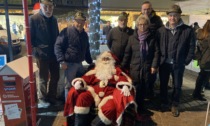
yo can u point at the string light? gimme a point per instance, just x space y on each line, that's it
94 26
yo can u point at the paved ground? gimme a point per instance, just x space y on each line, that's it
193 112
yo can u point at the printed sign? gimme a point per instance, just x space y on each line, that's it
12 111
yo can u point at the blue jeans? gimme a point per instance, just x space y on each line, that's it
74 70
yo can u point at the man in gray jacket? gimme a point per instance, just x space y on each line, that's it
44 31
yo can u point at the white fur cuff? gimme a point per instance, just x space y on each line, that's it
122 83
84 84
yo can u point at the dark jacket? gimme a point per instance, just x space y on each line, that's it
106 30
132 57
155 22
184 45
44 32
117 40
72 46
204 46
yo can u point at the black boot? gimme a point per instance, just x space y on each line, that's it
70 121
198 87
97 122
81 120
129 116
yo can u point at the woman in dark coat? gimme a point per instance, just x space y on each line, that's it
142 57
203 37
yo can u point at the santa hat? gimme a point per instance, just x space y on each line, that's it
36 8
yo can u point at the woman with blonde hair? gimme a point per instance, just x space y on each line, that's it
203 38
141 56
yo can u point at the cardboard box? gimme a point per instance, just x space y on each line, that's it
15 92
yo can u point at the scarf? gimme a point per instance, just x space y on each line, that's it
143 44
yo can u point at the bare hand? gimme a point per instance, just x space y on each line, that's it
63 66
153 70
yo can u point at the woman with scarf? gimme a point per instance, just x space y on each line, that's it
142 57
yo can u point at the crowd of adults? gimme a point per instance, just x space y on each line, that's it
131 66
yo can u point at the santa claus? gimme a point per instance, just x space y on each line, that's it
107 88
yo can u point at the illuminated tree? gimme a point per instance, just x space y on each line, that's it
94 26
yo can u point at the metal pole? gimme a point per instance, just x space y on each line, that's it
29 52
8 31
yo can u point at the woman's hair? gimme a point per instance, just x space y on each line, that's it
205 32
142 17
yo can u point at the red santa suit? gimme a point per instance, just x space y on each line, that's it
107 95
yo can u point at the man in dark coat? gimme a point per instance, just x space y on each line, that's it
72 48
117 38
155 23
177 46
155 20
44 31
107 28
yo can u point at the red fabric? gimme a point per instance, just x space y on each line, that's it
121 101
109 110
113 108
71 101
36 6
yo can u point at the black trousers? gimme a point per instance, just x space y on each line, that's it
177 72
48 71
203 78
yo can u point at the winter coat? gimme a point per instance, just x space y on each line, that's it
117 40
44 32
72 46
106 30
204 60
132 57
155 22
184 44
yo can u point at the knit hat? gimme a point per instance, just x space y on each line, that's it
79 16
123 16
174 9
47 2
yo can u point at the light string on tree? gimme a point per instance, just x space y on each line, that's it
94 26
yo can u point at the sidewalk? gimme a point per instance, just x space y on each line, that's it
193 112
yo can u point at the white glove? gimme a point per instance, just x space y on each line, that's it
77 85
125 91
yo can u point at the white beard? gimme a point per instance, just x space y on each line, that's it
104 72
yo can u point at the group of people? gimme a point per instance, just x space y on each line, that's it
121 79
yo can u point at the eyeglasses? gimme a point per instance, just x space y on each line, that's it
140 25
105 58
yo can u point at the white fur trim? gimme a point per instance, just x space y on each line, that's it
95 96
124 84
128 78
80 79
114 71
119 119
81 110
116 78
91 72
103 118
104 100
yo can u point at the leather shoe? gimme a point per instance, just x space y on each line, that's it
199 97
175 111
